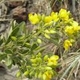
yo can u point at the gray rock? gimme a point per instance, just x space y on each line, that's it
6 74
9 74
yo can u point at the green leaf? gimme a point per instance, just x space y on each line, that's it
16 31
31 73
8 51
36 74
13 38
47 36
27 45
8 61
34 46
13 24
2 56
22 28
40 75
1 41
44 77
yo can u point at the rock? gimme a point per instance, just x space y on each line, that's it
15 3
10 74
4 74
19 14
17 9
39 6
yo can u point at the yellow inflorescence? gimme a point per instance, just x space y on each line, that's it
54 16
67 44
47 75
47 19
64 14
34 18
70 30
53 60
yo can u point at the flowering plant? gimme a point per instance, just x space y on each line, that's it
60 29
37 51
59 25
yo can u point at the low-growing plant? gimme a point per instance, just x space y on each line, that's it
39 52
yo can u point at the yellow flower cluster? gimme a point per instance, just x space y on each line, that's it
46 70
54 16
67 44
34 18
53 60
74 28
47 19
47 75
64 14
71 30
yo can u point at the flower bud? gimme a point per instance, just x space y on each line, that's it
48 68
33 60
45 57
26 73
39 59
39 41
13 38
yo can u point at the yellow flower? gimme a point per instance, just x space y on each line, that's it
47 76
52 61
63 14
69 30
54 16
54 57
47 19
34 18
76 28
67 44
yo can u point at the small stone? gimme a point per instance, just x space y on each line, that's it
19 14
